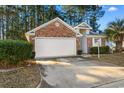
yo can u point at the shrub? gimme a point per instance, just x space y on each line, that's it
103 50
14 51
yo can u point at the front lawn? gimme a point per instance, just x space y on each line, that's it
117 59
27 77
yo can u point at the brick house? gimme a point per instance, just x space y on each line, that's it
51 29
59 33
62 33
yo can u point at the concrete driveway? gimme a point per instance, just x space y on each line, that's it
81 73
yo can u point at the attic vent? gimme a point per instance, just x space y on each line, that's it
57 24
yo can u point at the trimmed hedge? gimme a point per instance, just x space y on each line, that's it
14 51
103 50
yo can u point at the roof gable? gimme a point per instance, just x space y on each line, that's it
83 25
32 32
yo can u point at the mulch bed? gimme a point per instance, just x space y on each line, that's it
26 77
3 65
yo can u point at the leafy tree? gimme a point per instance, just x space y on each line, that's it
115 31
94 13
15 20
73 14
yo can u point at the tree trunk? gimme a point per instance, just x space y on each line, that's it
119 46
2 23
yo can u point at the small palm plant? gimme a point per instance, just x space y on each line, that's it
115 32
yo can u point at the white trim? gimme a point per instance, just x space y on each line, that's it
102 36
47 23
81 28
55 37
30 32
89 27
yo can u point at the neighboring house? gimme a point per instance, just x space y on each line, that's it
56 39
88 38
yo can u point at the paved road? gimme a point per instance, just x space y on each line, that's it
81 73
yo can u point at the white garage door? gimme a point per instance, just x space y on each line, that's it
46 47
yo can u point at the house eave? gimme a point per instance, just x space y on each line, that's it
47 23
89 27
102 36
82 28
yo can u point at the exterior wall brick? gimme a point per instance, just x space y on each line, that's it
78 43
55 31
89 43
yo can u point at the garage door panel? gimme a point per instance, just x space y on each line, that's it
55 47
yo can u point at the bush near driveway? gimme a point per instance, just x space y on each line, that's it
103 50
14 51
